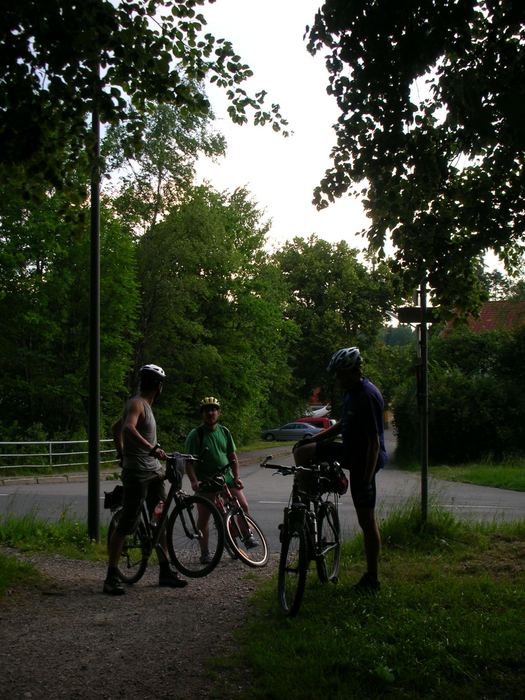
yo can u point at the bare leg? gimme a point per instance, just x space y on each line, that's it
371 537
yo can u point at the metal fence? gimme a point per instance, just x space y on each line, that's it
50 455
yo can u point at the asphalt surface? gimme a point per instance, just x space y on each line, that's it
268 493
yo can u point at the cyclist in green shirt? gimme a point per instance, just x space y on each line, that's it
214 445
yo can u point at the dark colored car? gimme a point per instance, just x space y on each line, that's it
290 431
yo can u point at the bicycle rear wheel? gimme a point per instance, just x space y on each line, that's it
329 544
195 536
293 566
135 551
254 556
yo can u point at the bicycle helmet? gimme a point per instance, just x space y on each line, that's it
153 371
210 401
346 358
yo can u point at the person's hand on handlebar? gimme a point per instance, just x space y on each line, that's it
158 452
238 483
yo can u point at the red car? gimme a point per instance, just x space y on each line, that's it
319 421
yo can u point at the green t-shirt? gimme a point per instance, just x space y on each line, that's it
213 447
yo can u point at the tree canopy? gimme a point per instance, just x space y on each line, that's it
335 301
432 99
59 57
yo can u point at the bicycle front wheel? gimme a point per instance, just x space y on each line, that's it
329 544
293 566
135 551
195 536
246 539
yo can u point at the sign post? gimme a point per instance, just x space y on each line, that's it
421 315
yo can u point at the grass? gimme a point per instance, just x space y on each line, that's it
29 533
265 445
503 476
15 573
447 622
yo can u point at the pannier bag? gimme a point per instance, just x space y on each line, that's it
334 480
114 499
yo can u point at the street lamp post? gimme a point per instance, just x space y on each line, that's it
94 327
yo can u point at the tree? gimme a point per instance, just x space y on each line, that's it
432 101
212 312
151 184
44 263
147 50
501 287
334 300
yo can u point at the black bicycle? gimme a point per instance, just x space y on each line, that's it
310 530
194 550
240 529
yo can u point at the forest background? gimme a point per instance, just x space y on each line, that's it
187 279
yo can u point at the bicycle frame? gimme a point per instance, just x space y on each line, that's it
178 523
310 532
239 527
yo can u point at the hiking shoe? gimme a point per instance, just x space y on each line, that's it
367 584
113 586
205 558
171 579
251 542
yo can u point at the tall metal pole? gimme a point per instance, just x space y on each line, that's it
94 327
424 403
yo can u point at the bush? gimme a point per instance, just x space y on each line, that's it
476 403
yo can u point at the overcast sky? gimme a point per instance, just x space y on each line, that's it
280 173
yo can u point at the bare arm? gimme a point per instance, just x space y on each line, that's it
190 471
116 432
129 427
234 463
372 454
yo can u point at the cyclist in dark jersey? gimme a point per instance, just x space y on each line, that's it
362 450
135 436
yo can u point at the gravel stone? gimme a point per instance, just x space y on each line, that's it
66 639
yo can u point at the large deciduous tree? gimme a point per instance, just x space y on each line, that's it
44 256
147 50
148 186
432 99
335 300
212 313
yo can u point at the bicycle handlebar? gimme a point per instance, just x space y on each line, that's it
180 455
286 469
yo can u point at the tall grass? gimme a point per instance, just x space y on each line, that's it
30 533
448 621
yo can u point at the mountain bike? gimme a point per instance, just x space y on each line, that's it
180 515
238 525
310 530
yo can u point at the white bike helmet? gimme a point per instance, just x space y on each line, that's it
346 358
153 371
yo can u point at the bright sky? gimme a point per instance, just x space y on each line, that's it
280 173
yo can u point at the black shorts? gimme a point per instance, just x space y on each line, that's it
363 494
135 493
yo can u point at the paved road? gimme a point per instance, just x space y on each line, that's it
268 494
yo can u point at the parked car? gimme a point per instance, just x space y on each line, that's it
318 421
290 431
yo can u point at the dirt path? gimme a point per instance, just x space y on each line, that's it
68 640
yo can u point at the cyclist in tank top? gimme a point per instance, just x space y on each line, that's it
135 436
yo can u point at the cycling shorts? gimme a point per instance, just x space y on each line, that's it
135 493
363 493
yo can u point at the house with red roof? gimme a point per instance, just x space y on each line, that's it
497 316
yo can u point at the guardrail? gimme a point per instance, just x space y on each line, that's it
52 454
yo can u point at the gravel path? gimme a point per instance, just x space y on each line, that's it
68 640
